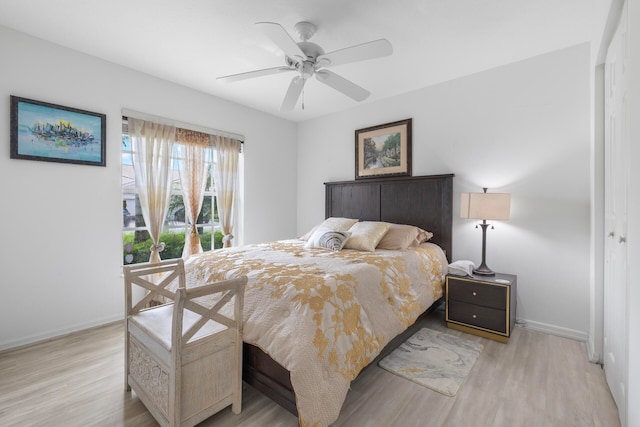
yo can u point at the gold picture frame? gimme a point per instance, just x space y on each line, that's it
384 150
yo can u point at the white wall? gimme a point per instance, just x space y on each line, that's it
523 128
61 243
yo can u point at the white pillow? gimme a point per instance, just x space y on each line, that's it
326 238
308 234
366 235
338 223
332 223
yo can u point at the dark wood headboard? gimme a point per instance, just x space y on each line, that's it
423 201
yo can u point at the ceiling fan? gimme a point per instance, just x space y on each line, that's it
309 59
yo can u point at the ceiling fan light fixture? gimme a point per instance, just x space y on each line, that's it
307 70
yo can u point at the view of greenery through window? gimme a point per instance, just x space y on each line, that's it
136 240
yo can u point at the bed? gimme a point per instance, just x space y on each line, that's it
286 281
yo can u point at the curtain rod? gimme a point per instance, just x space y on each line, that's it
177 123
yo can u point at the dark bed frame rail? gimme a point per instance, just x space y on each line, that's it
423 201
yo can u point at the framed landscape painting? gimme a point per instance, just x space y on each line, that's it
53 133
384 150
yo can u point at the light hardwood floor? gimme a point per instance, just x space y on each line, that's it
535 380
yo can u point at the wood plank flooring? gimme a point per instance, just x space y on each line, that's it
535 380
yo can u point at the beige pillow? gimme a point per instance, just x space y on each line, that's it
402 236
365 235
399 237
423 236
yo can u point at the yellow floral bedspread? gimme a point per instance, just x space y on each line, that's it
325 315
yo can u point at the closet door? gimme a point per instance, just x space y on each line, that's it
616 193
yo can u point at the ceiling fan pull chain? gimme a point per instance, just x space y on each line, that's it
303 99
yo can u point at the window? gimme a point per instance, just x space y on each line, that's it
136 240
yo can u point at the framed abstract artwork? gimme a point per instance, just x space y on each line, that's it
53 133
384 150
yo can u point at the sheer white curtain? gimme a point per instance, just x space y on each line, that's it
193 178
226 155
152 144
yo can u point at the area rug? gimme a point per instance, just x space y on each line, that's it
434 359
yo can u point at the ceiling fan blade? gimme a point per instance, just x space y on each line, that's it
361 52
253 74
343 85
293 93
282 39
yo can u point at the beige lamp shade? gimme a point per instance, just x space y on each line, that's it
496 206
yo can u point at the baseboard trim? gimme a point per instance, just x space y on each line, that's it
554 330
533 325
594 357
38 339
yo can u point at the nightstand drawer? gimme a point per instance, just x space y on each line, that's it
477 315
487 295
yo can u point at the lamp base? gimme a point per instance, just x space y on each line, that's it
483 270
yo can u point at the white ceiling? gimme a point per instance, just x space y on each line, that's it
191 42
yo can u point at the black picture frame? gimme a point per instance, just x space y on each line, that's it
384 150
55 133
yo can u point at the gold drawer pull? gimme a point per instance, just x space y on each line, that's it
474 294
474 316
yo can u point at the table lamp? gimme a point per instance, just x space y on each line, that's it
485 206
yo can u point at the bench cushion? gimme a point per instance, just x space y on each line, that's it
157 323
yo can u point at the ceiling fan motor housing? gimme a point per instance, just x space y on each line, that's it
310 50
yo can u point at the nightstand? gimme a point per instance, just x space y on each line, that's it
482 305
